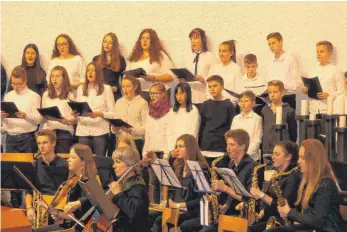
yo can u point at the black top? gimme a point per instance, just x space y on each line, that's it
133 204
50 176
269 118
113 78
323 212
3 81
216 119
36 84
243 171
289 186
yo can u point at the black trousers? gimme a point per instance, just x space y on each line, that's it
183 217
291 100
22 143
98 144
65 140
191 225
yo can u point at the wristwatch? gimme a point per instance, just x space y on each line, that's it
261 195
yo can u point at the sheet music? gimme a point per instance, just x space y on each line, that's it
166 173
199 176
233 181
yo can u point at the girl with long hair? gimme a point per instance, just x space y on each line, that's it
59 93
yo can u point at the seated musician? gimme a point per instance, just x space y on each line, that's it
187 148
242 164
45 182
81 164
285 157
318 195
130 195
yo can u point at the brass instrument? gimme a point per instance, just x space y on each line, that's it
272 222
40 220
212 199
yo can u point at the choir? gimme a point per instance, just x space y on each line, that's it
132 119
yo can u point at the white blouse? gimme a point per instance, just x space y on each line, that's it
206 60
153 69
231 74
64 109
133 112
104 103
158 134
75 68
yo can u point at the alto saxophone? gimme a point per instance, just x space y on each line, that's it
213 198
248 210
40 220
272 222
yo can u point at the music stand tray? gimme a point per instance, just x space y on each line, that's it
10 180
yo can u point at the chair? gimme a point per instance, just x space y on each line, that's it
170 216
231 223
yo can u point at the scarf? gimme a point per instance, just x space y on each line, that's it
159 109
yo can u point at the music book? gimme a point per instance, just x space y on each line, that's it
313 85
138 72
10 108
183 73
81 107
118 123
51 113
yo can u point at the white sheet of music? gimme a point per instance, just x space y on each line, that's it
167 176
198 176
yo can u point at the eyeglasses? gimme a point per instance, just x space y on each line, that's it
17 85
62 45
154 93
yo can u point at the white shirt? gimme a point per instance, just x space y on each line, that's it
75 68
185 122
257 84
64 109
340 104
231 73
28 102
332 81
153 69
104 103
158 135
206 60
133 112
285 69
252 123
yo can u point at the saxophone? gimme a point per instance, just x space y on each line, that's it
248 210
213 198
272 222
40 220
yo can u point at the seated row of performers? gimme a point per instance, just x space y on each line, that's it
312 202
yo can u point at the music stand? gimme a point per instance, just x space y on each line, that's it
105 170
10 180
203 187
98 198
233 181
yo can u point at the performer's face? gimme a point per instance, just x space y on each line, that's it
234 149
181 149
75 163
119 167
45 145
301 161
107 44
280 158
195 42
128 89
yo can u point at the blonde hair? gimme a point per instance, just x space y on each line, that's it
277 83
128 155
128 139
317 167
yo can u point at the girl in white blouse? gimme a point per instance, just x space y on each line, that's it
227 68
66 54
59 94
132 109
149 54
185 116
198 62
93 130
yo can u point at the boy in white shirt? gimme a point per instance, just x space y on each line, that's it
250 122
283 67
340 102
330 78
20 131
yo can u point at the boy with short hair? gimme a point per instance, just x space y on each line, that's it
216 115
330 78
252 80
250 122
276 93
283 67
20 131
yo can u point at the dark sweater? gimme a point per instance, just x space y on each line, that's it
269 119
216 119
113 78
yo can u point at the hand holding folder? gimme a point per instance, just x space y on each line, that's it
138 72
183 73
51 113
118 123
10 108
313 85
82 108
